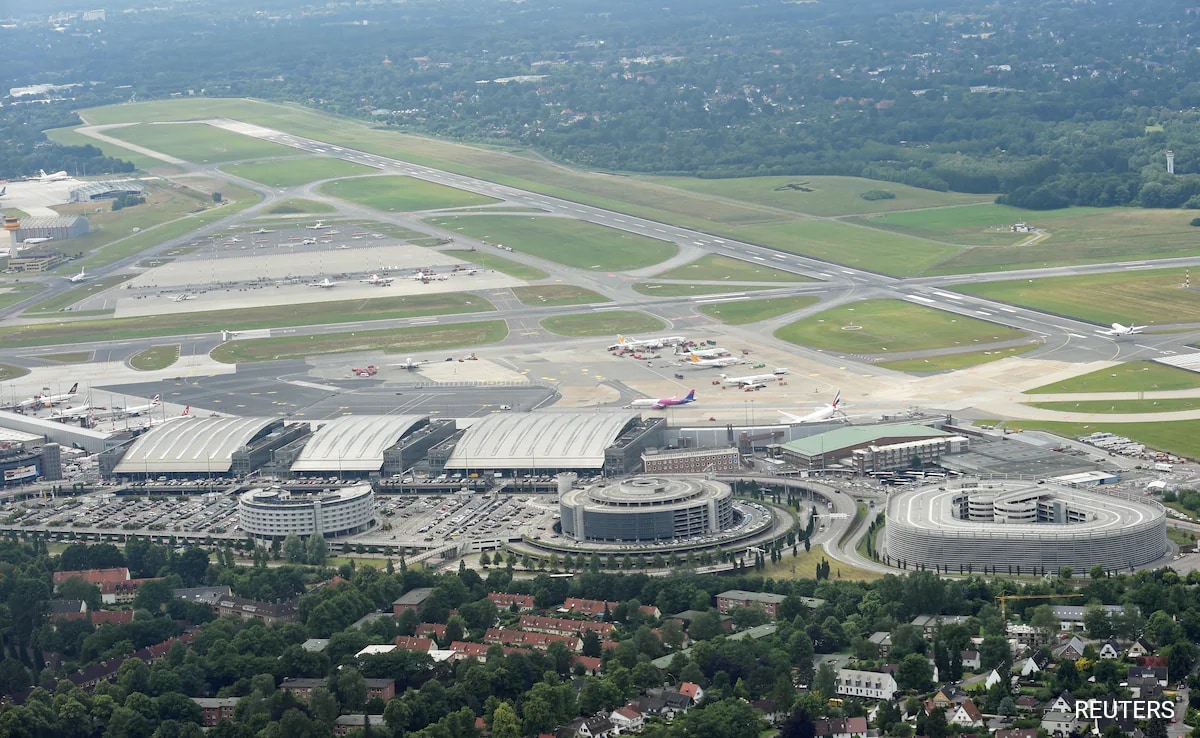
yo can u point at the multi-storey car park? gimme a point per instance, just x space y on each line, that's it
1021 525
274 513
647 509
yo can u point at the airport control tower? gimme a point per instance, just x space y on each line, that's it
11 226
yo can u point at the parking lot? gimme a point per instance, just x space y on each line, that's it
425 521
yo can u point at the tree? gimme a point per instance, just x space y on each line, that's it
216 197
351 689
293 549
76 588
825 681
191 566
727 718
1045 621
914 673
505 723
316 550
153 595
705 626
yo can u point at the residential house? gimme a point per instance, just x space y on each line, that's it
650 611
93 576
1032 665
992 679
966 714
873 685
693 690
1061 724
664 703
215 709
591 664
302 688
570 730
1065 702
1027 703
204 595
479 651
64 609
929 624
269 613
376 649
435 630
1072 650
590 608
120 593
774 714
564 626
855 727
768 601
970 660
1109 650
505 601
1157 673
413 599
414 643
1017 733
1070 617
1140 648
597 726
948 696
384 689
882 640
343 724
1144 687
627 719
531 640
1025 636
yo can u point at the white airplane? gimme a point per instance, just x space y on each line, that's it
83 275
3 191
37 239
182 297
411 365
262 230
309 242
79 411
634 343
135 410
825 412
754 378
50 400
320 226
375 279
54 177
185 415
665 401
1123 330
708 353
695 362
323 284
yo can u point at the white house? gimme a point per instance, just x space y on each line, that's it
992 679
970 660
627 719
874 685
1061 723
1109 650
967 715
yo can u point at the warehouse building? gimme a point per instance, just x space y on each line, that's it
106 190
206 447
361 446
57 227
888 446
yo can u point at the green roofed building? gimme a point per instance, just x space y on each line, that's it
869 448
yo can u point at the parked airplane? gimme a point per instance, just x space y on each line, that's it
3 191
185 415
411 365
309 242
754 378
1123 330
375 279
695 362
825 412
708 353
78 411
136 410
37 239
83 275
665 401
635 343
323 284
262 230
320 226
182 297
50 400
54 177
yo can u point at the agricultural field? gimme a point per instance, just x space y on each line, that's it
573 243
821 196
488 260
199 143
985 224
714 267
550 295
299 205
1132 376
1142 297
678 289
608 323
393 341
955 361
1165 405
1179 437
752 311
292 172
881 326
212 321
155 357
399 194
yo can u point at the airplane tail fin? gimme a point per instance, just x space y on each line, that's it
186 411
695 359
691 395
74 389
42 172
837 400
157 399
621 339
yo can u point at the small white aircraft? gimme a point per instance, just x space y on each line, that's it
53 177
37 239
50 400
323 284
320 226
82 276
634 343
752 379
309 242
1123 330
377 280
695 362
135 410
825 412
262 230
182 297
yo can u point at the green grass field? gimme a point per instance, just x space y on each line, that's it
70 357
714 267
14 292
550 295
488 260
954 362
212 321
292 172
52 307
880 326
199 143
395 193
804 566
9 372
1166 405
400 340
1142 297
608 323
155 357
1133 376
298 205
574 243
1180 437
972 225
676 289
71 137
752 311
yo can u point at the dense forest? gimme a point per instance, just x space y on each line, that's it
1047 103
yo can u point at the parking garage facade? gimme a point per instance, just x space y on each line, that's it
645 509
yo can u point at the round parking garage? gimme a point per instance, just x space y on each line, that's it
648 509
274 513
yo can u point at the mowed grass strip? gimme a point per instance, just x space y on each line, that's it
293 172
211 321
70 357
1180 437
985 224
573 243
557 294
676 289
13 293
1165 405
297 205
752 311
199 143
72 137
397 340
397 193
1132 376
155 358
8 371
50 308
489 260
607 323
714 266
1142 297
880 326
953 362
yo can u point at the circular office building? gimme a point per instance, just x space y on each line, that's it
275 513
1022 527
648 509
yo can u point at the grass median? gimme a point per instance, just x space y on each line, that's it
489 260
392 341
607 323
714 267
155 358
752 311
1132 376
552 295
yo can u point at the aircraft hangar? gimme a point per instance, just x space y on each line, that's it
205 447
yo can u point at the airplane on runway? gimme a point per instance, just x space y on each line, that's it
825 412
262 230
320 226
54 177
411 365
50 400
1123 330
82 276
753 379
708 353
182 297
323 284
695 362
375 279
634 343
309 242
665 401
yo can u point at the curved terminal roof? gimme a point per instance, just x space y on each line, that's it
539 440
354 442
191 446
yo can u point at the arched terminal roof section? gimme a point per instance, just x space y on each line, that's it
354 442
195 446
539 440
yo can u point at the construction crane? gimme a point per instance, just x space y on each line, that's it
1003 600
